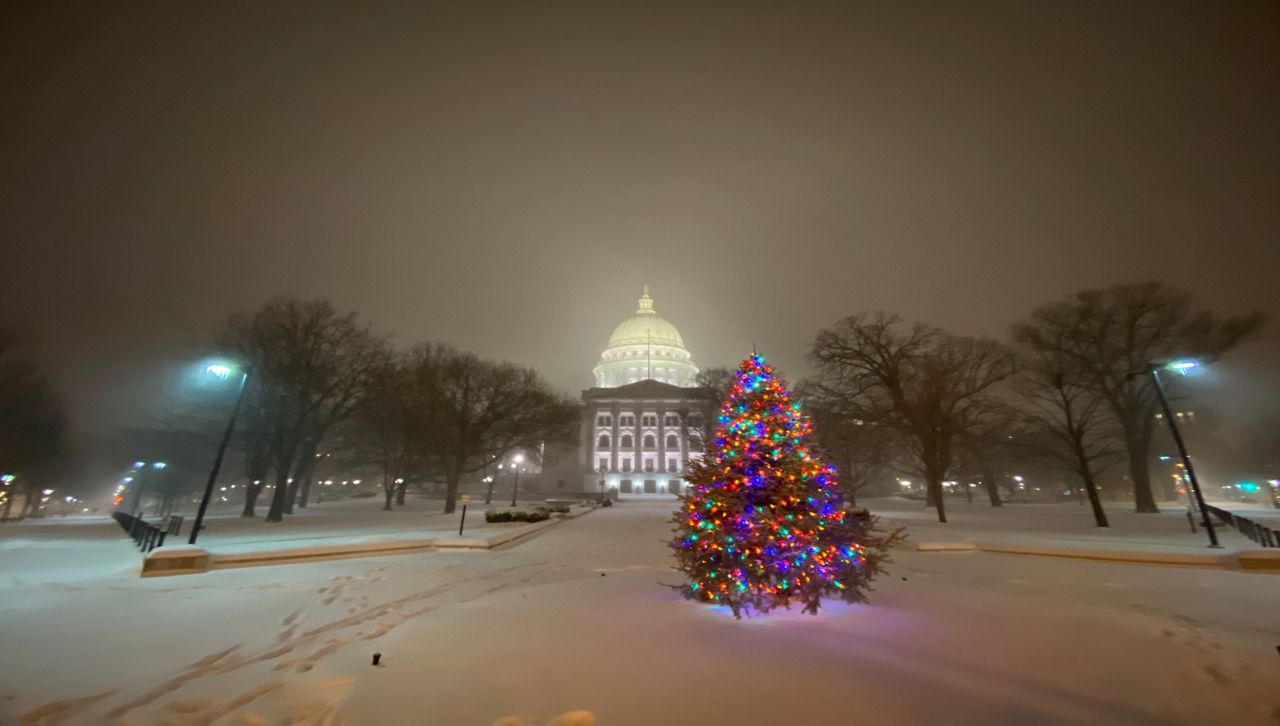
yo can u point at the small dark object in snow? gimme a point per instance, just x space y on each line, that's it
602 574
377 657
904 579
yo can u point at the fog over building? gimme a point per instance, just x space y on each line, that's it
644 420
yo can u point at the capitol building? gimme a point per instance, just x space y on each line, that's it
646 417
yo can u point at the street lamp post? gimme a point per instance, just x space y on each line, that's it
515 482
1154 371
602 471
219 371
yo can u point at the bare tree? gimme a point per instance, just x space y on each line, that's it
392 431
312 367
986 440
481 409
1075 430
920 382
861 451
717 378
1109 333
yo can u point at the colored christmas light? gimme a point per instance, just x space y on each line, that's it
762 524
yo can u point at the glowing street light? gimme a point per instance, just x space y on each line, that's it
139 468
1181 366
221 371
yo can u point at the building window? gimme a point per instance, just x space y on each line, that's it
625 486
695 443
604 465
671 420
673 465
649 421
626 464
626 441
602 442
650 486
672 441
604 420
673 486
648 464
649 442
627 421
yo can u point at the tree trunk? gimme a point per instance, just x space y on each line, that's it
388 491
451 491
935 488
1140 475
1091 487
8 505
291 495
305 474
853 499
280 496
968 491
304 494
251 492
993 491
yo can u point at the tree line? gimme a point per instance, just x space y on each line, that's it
889 395
322 380
33 427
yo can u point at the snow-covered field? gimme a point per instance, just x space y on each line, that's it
1067 525
577 617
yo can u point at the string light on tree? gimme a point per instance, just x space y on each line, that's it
762 524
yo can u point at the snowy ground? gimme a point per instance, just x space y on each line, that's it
62 550
1067 525
577 618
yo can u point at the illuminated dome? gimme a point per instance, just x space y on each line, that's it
645 346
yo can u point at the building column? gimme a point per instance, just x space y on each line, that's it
661 463
613 448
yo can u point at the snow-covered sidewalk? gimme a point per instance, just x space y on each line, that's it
72 548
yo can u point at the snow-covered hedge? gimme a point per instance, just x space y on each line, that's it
516 515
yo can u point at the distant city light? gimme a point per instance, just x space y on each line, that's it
1181 366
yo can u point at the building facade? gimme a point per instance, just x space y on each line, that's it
646 418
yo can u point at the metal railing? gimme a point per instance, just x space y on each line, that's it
1261 534
146 535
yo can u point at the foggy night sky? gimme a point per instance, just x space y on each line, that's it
504 177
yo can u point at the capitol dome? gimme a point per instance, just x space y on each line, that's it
645 346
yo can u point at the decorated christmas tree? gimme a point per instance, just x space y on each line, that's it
763 523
